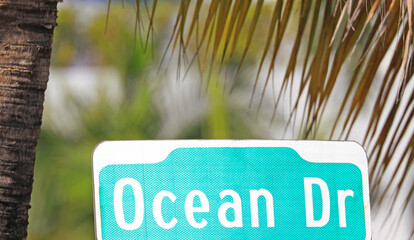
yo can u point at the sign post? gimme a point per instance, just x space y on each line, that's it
231 189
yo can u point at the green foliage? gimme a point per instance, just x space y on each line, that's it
61 202
64 50
62 206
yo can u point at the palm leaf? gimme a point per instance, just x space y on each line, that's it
331 37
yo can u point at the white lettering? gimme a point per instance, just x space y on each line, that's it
190 209
118 206
254 209
341 205
156 207
236 205
310 218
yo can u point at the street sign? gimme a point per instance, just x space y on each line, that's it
231 189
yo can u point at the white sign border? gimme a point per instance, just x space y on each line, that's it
154 151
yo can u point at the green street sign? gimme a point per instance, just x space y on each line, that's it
231 189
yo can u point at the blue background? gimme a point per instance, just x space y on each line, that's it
211 170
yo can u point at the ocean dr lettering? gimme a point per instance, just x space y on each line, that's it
236 206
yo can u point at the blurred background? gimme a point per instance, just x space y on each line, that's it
106 84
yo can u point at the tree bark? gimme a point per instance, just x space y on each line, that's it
26 32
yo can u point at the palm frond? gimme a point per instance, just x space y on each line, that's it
360 38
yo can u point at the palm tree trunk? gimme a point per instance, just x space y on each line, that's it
26 32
